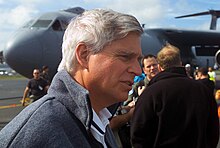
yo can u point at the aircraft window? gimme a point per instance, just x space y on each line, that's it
206 50
64 24
42 23
57 26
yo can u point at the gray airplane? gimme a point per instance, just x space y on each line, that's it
39 41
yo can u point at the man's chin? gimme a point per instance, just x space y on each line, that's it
122 99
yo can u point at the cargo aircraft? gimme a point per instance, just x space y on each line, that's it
39 42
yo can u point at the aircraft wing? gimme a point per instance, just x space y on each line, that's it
189 37
193 44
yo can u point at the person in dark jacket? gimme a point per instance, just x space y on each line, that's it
101 51
203 77
45 74
174 111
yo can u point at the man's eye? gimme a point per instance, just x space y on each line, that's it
125 57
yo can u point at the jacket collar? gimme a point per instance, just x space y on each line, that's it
169 73
73 96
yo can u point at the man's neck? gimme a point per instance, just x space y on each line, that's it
149 78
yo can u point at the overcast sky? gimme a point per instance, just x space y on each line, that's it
153 13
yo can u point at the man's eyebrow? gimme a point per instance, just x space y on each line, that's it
123 52
129 53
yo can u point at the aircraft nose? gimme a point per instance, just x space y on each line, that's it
22 52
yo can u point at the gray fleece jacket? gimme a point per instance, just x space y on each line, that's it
62 118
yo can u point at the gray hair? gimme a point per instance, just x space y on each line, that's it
96 28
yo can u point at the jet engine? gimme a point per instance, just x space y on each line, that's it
217 57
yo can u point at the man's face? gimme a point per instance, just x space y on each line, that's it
150 67
36 74
111 72
199 75
187 69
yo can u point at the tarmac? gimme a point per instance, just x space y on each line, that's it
12 88
11 92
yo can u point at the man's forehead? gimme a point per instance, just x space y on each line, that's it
36 70
129 52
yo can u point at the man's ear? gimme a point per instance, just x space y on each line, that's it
82 54
160 68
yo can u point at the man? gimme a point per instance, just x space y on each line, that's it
212 74
45 74
101 50
203 77
36 88
150 68
188 70
174 111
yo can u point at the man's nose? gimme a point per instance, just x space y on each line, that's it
136 68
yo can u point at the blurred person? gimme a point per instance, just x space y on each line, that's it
217 94
215 66
139 78
45 74
101 51
36 88
195 72
188 70
203 77
212 74
174 111
217 97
